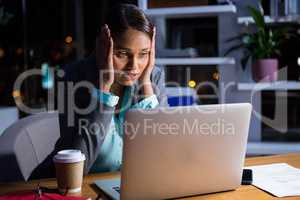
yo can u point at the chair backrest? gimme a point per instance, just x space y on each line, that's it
8 116
26 144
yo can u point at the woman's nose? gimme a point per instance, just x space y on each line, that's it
133 64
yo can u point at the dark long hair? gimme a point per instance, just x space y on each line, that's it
124 16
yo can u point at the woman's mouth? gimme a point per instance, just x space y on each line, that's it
131 76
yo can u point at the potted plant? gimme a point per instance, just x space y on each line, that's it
262 46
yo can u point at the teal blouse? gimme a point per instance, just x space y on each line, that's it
110 155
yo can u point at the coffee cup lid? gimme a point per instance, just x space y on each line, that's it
69 156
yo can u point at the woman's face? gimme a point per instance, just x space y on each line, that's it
131 56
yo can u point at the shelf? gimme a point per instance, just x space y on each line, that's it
277 85
192 11
266 148
270 20
195 61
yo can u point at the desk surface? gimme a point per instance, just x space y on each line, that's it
243 192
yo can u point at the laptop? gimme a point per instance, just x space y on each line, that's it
172 152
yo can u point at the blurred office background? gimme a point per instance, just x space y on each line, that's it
191 44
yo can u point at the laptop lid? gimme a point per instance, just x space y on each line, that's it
182 151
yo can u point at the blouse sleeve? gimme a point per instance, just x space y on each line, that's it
147 103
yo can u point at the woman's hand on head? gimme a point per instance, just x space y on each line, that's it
104 59
145 77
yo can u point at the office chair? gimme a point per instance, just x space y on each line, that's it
26 144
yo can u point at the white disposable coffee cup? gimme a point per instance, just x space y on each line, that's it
69 166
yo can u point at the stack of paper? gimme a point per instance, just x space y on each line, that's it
279 179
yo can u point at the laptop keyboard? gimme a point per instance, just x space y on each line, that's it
117 189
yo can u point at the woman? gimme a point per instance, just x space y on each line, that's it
123 73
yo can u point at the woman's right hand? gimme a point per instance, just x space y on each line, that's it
104 59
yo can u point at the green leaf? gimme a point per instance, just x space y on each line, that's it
238 37
233 48
277 51
245 60
247 40
258 17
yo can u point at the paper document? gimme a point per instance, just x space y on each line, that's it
279 179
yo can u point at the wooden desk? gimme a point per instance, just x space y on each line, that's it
243 192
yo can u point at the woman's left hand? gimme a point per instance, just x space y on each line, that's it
145 77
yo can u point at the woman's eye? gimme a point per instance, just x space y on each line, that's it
143 55
121 54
